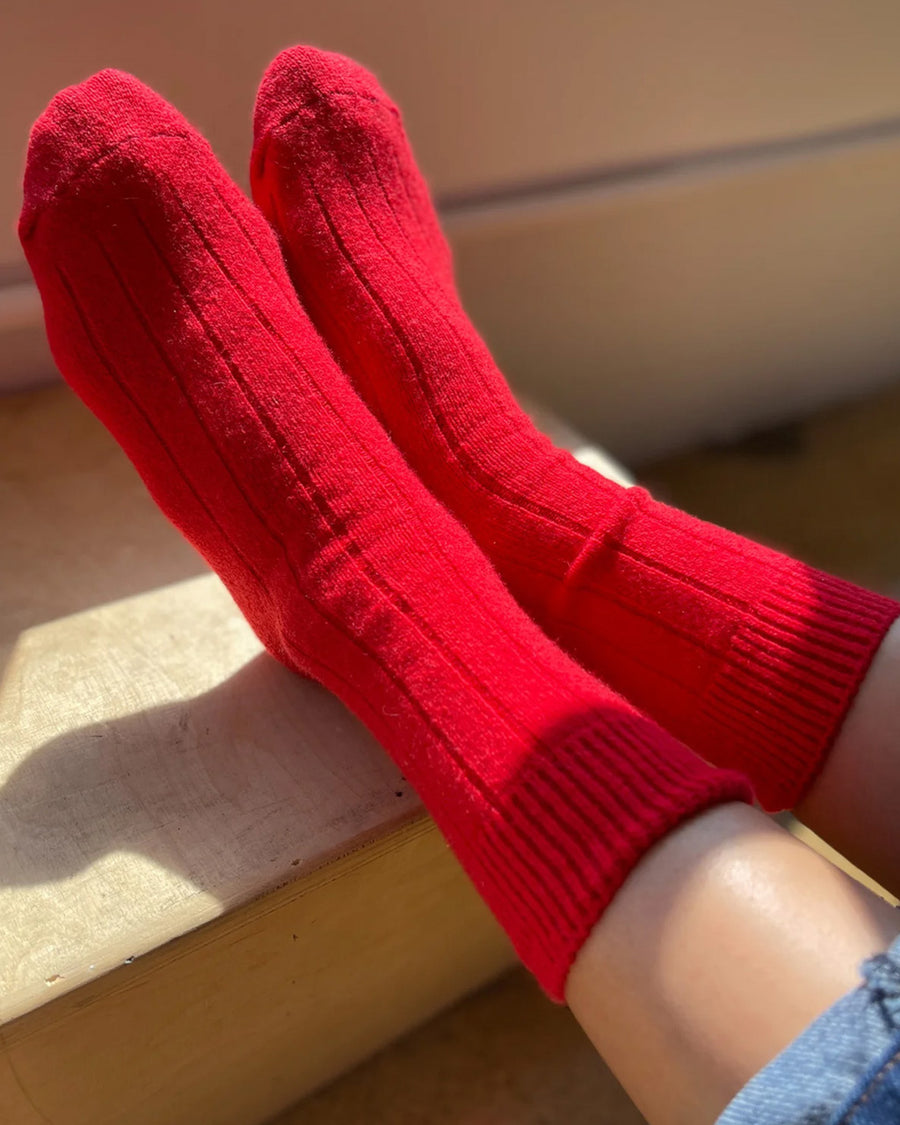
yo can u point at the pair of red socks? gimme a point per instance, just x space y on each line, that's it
292 440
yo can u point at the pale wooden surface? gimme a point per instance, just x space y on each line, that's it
238 1019
78 527
211 878
506 1057
157 769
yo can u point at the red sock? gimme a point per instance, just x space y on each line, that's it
170 313
749 656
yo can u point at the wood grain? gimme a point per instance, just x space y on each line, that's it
157 769
239 1019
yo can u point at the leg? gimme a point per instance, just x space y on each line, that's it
853 802
727 940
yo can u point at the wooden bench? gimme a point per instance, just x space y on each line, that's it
217 891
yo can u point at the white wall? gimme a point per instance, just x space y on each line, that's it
670 307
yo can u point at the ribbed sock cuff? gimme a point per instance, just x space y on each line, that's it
571 825
790 676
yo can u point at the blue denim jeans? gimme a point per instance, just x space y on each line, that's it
845 1067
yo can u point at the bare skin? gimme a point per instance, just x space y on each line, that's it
724 943
853 803
730 936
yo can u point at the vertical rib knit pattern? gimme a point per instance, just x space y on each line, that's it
170 313
750 656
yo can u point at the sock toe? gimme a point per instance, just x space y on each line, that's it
82 125
306 75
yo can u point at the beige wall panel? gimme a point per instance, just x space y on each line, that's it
697 309
493 92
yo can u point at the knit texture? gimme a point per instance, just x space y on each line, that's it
751 657
170 313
